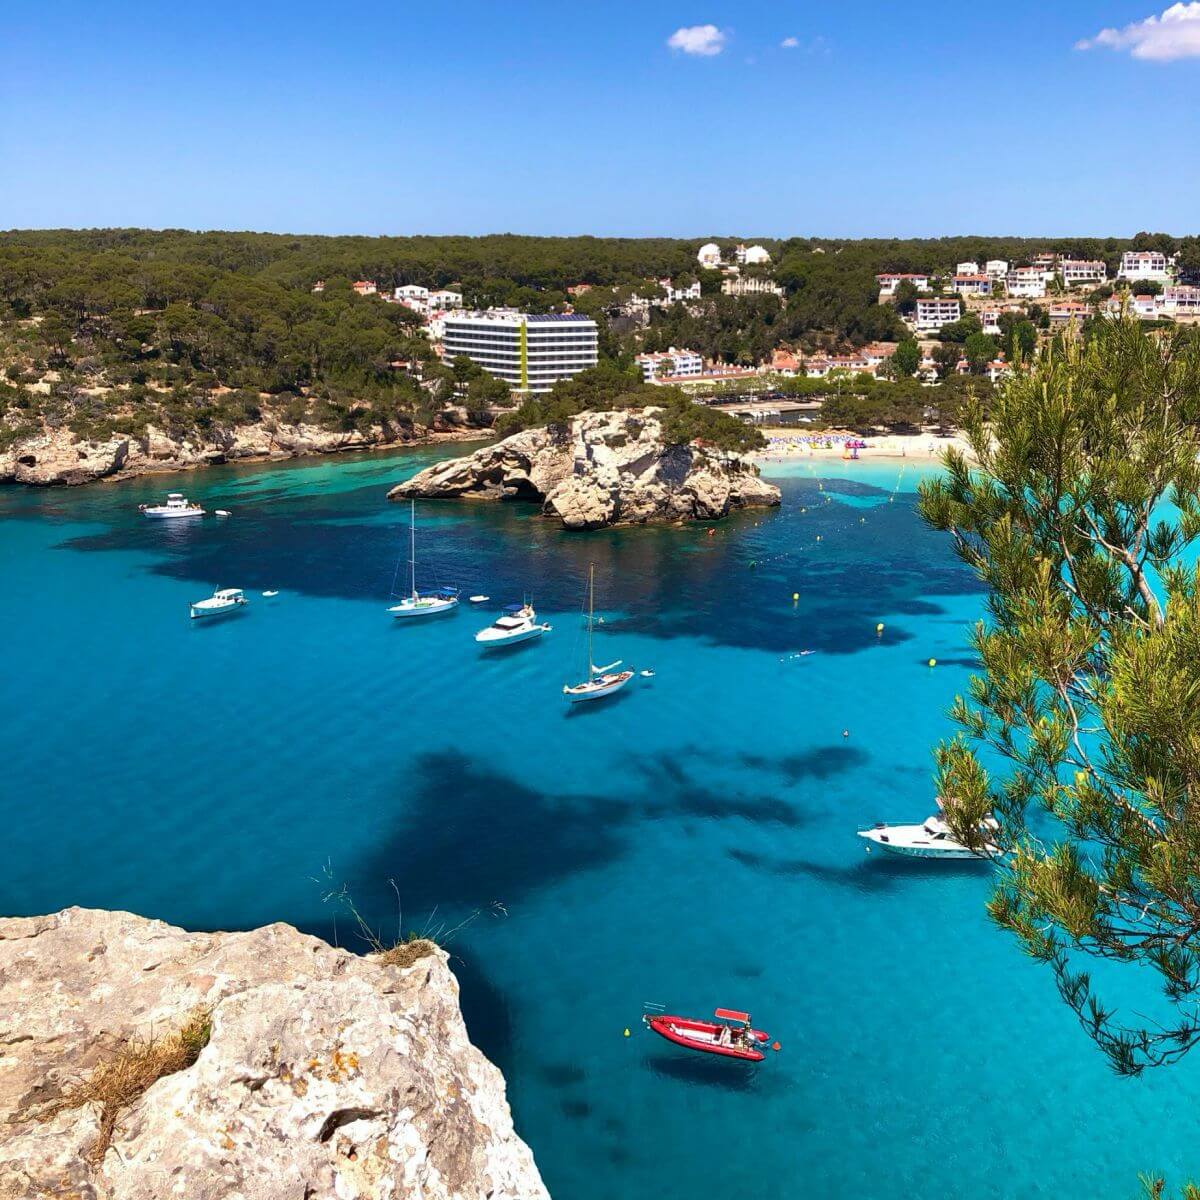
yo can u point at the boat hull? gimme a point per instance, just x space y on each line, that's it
434 608
603 686
701 1035
172 516
211 614
909 850
508 639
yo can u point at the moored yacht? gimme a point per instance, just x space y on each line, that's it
177 505
600 681
221 603
931 839
421 604
517 623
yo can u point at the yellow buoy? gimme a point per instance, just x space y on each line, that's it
795 595
879 627
626 1032
818 537
933 662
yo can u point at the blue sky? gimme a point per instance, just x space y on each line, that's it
472 117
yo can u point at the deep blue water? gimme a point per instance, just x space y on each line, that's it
690 842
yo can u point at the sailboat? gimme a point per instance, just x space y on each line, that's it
600 681
415 604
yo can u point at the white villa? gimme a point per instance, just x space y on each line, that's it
709 255
973 284
1145 264
967 268
1181 301
996 269
752 256
888 283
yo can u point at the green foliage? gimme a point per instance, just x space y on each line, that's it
609 386
1089 697
907 358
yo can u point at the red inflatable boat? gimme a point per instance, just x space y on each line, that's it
712 1037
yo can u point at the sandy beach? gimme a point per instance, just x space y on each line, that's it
785 445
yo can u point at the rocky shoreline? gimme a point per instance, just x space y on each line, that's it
57 458
601 469
319 1073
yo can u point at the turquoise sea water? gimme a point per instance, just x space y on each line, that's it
690 842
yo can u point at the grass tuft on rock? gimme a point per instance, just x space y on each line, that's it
119 1082
406 952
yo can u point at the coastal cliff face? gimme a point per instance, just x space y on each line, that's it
325 1074
56 457
601 468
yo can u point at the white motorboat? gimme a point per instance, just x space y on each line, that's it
600 681
517 623
221 603
931 839
177 505
421 604
479 599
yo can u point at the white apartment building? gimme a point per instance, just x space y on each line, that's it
967 268
750 286
1082 272
989 318
1145 264
445 298
996 269
933 314
1181 301
422 300
709 255
972 285
530 352
888 283
671 362
1026 282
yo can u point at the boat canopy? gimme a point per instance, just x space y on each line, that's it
729 1014
514 608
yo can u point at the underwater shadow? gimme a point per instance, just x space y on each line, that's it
705 1070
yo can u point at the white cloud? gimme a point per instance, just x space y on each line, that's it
1176 34
704 40
790 43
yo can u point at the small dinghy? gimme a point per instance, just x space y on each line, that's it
730 1035
479 599
647 674
270 595
222 512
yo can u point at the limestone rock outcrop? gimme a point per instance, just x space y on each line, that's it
601 468
326 1074
52 457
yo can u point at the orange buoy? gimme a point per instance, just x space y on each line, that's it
775 1046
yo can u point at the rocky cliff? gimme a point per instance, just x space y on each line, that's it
601 468
321 1073
57 456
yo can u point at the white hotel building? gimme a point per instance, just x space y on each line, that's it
1079 272
530 352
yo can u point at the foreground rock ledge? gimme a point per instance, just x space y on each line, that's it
601 468
326 1074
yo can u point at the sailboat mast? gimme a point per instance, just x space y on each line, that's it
591 612
412 547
